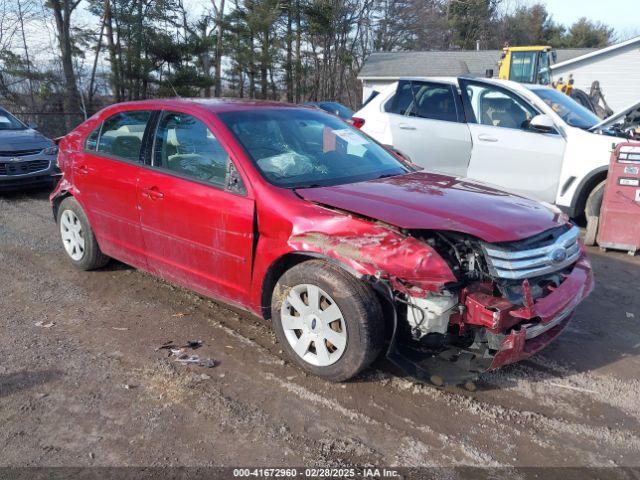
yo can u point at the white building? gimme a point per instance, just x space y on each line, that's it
617 68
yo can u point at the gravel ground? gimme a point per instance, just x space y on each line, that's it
81 382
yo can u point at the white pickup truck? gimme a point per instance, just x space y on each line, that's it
528 139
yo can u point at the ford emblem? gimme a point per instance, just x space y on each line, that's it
559 255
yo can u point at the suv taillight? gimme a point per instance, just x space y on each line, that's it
357 122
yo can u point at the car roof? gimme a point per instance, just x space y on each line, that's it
214 105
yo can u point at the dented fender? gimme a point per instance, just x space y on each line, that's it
375 249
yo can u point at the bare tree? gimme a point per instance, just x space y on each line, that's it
62 11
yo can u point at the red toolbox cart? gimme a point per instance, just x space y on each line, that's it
619 225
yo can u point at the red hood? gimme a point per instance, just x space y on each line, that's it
439 202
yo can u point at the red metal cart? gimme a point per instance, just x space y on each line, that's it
619 226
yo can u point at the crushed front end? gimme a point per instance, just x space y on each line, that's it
510 300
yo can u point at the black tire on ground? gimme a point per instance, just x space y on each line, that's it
360 308
592 213
92 257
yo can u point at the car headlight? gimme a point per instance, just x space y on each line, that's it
50 150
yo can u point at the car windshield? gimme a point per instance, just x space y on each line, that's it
569 110
9 122
298 148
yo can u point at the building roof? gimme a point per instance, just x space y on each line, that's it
392 65
591 53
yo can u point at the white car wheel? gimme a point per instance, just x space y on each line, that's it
313 325
72 235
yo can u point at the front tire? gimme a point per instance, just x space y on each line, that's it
77 237
329 322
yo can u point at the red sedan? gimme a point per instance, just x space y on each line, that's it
293 215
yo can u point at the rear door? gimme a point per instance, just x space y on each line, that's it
506 152
196 216
106 175
427 124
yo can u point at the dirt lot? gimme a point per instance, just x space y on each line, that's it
91 389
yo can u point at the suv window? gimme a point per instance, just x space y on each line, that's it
122 134
498 107
184 145
424 100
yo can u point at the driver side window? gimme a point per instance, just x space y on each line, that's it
185 146
499 108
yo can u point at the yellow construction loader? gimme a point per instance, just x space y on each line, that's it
532 64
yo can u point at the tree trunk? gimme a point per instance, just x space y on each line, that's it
62 10
298 80
219 37
264 64
26 54
113 54
289 63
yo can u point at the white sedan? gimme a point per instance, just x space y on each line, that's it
528 139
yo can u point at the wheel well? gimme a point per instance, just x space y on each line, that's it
280 266
276 270
589 185
56 203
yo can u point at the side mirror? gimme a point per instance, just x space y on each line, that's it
541 123
33 125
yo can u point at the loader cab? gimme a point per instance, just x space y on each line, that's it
530 64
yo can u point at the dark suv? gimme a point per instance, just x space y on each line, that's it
27 158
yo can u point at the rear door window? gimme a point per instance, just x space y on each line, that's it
401 101
424 100
122 135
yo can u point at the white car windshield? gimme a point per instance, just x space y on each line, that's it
297 148
568 109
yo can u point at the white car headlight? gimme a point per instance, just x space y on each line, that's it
50 150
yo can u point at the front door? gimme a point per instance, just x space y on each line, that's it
506 152
427 125
196 217
106 176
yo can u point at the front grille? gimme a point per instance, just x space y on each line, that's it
23 168
514 264
19 153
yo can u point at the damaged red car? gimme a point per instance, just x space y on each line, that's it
348 250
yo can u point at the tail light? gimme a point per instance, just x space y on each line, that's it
357 122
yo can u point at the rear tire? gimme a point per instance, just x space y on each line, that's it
316 303
77 237
592 213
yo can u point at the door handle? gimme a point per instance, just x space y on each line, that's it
404 126
152 193
82 170
483 137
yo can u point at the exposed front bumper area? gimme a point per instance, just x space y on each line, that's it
532 327
502 332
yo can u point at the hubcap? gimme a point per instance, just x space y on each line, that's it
313 325
72 235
